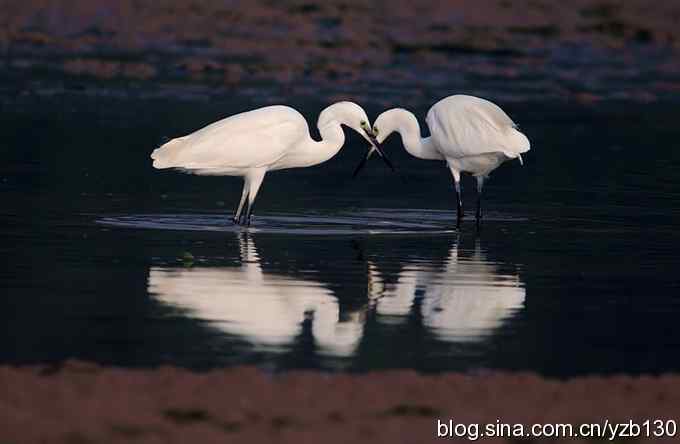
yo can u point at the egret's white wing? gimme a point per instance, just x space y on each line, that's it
248 140
468 126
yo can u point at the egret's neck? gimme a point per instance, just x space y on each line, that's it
406 124
332 139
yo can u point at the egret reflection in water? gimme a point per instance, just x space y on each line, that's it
464 300
268 309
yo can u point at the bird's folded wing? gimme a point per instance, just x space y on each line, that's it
238 142
473 131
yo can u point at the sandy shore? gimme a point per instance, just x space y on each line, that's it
85 403
584 49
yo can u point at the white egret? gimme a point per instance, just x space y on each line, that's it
471 134
267 139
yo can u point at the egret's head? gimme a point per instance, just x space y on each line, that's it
353 116
386 124
349 114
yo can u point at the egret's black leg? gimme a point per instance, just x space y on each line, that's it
243 217
255 178
480 186
459 203
244 194
249 213
459 197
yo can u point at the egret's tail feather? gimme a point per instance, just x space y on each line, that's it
518 142
515 144
165 156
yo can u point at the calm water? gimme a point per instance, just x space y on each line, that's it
575 270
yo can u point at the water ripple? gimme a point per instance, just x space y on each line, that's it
370 221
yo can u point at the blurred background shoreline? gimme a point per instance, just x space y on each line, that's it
536 50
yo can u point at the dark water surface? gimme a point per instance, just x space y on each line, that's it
575 270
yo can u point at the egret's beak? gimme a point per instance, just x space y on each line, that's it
375 147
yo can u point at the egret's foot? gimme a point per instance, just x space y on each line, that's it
234 220
247 223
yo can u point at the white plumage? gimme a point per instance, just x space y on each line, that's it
471 134
229 145
464 126
252 143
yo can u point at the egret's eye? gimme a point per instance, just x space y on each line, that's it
363 123
375 130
